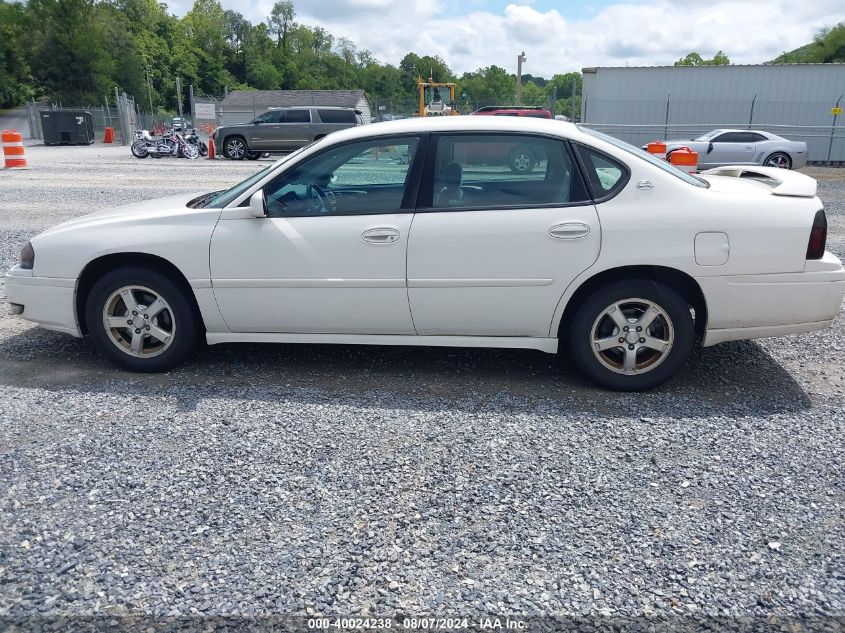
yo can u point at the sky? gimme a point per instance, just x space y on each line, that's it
561 36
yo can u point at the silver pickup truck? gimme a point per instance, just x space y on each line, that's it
282 130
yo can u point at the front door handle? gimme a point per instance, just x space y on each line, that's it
380 235
569 231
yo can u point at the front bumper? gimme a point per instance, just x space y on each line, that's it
48 301
754 306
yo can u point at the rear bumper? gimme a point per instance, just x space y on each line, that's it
754 306
48 301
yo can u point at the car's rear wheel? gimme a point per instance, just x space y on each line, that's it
631 335
780 160
235 148
521 160
141 320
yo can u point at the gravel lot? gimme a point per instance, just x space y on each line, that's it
266 480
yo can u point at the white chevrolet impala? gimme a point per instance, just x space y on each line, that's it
422 232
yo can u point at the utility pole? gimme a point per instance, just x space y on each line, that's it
148 71
191 98
521 59
179 97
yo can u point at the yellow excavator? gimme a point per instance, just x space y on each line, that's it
432 102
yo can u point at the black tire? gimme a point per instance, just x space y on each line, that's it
521 160
782 159
235 148
139 149
651 368
182 319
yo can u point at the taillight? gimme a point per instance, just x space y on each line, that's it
818 236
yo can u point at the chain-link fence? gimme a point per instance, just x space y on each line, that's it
123 118
639 121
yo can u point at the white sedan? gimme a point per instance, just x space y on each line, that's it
417 232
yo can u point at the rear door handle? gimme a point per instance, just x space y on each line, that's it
569 231
380 235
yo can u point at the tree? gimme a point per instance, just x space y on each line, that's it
694 59
16 82
281 21
489 84
828 46
564 84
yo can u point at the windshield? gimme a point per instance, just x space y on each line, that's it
708 136
223 198
636 151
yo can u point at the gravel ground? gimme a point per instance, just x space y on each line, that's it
266 480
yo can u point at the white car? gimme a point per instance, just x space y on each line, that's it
417 232
744 147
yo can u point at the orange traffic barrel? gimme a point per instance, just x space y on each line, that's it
13 150
210 148
657 149
684 158
109 137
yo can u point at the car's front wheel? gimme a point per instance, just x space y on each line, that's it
631 335
235 148
140 319
780 160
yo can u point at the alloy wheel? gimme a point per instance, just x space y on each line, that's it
522 162
632 336
235 149
778 160
139 321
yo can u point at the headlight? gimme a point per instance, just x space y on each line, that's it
27 256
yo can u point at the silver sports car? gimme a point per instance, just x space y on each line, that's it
744 147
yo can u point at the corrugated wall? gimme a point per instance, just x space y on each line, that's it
793 100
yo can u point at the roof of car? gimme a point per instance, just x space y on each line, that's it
460 124
310 107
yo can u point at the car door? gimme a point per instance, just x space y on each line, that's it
266 130
732 148
296 129
321 262
492 250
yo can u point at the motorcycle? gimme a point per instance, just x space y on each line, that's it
193 139
170 144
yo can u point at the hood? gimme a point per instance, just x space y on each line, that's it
152 210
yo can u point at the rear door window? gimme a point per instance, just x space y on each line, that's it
502 171
297 116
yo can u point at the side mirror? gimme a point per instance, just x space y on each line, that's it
256 122
257 205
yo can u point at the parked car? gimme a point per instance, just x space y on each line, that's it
180 124
744 147
283 130
537 112
382 235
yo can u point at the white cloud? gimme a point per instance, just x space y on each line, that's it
646 33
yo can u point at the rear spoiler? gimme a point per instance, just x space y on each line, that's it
790 183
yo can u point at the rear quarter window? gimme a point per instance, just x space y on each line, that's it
337 116
606 175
